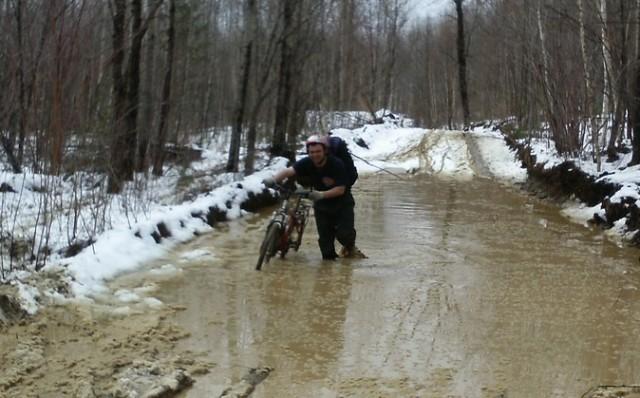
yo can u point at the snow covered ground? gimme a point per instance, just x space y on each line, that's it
615 172
447 154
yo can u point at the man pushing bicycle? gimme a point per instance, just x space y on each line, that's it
332 200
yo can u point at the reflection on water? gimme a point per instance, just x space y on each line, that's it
470 290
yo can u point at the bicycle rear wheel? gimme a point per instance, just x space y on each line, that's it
269 244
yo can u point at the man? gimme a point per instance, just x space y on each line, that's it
333 203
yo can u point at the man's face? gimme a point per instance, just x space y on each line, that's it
317 154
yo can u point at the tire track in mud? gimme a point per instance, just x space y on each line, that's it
428 314
425 145
477 163
437 149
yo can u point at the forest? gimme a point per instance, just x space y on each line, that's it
117 86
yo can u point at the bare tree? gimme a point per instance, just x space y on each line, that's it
462 63
165 105
117 175
619 69
263 88
144 133
126 86
250 22
589 91
635 104
282 112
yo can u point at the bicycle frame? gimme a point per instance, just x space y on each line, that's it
296 221
291 218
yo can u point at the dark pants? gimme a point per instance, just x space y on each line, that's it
335 222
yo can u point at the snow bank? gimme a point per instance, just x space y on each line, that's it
124 248
614 186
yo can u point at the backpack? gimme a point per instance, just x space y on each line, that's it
339 149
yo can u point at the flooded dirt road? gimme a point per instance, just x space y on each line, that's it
471 289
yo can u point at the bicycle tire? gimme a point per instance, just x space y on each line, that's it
302 226
269 244
285 248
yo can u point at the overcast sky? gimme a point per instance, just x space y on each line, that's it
434 8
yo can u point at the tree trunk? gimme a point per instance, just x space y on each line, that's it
393 19
118 145
462 64
133 90
56 127
295 122
607 95
619 89
262 92
635 142
635 104
589 97
450 98
297 100
552 110
144 133
245 71
22 115
545 62
165 106
346 77
249 160
278 143
637 42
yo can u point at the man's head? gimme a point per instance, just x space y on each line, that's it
317 149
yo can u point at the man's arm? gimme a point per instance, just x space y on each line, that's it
328 194
279 176
283 174
334 192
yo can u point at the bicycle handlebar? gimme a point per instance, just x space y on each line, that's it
288 192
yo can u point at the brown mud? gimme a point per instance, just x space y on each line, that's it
76 351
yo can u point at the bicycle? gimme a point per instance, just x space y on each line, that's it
286 226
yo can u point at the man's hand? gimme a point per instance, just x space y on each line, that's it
269 182
316 195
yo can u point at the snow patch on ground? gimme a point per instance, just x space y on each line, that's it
166 270
192 255
125 248
499 158
580 213
439 152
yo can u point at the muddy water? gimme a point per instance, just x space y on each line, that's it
471 289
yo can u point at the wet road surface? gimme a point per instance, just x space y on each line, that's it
471 289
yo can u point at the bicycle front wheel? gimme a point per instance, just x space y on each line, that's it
269 244
300 228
